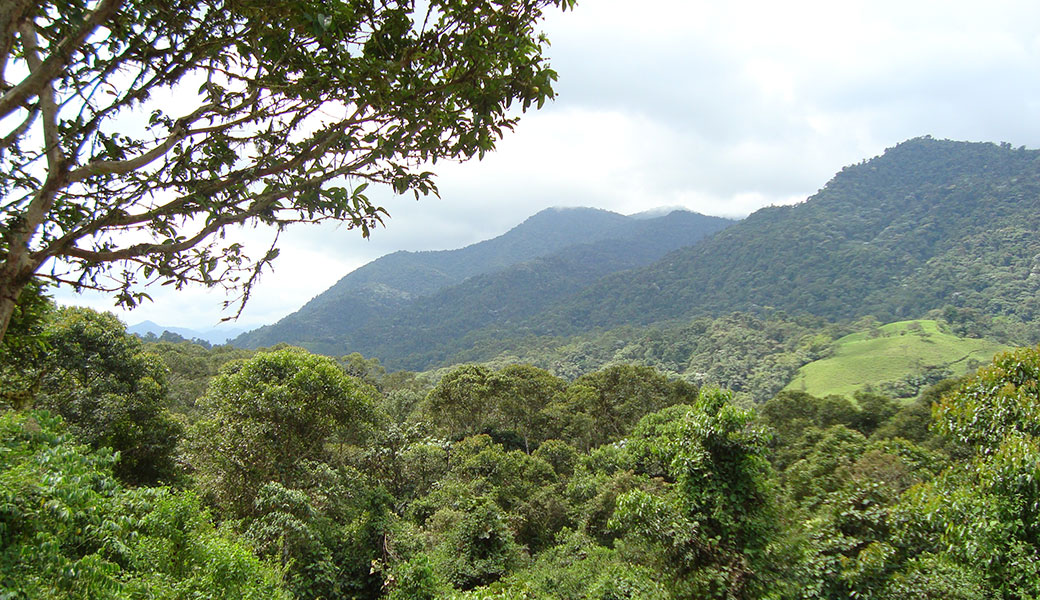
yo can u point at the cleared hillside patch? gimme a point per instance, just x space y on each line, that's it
898 359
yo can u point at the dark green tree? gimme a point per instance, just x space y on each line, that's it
263 417
110 392
24 347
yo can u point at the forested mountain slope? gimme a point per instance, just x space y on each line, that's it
928 224
411 274
407 303
391 281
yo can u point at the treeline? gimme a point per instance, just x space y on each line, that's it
169 470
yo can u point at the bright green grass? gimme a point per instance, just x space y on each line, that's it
888 355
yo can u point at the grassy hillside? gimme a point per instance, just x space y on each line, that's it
898 358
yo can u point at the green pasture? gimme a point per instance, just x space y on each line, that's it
898 354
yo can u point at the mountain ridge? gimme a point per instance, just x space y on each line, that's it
374 293
849 249
927 225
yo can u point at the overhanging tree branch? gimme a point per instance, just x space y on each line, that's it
59 58
274 105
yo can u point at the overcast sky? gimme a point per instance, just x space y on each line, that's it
719 107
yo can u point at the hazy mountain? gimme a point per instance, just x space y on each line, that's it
401 300
389 282
213 335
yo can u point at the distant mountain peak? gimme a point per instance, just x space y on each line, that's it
660 211
550 254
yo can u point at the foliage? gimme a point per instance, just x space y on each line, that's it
110 392
1000 401
415 580
579 569
624 483
754 356
24 347
70 530
906 523
605 404
474 545
25 334
534 405
277 104
263 416
190 368
325 531
712 533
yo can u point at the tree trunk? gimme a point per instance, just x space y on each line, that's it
12 282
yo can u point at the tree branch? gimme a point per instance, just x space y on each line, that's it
58 59
11 14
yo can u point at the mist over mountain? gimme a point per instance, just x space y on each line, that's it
211 335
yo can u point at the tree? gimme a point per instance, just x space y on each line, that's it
461 403
264 418
713 533
70 530
524 393
23 349
135 132
604 405
981 516
110 392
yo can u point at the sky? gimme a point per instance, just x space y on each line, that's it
719 107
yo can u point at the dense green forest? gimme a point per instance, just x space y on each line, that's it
601 408
768 452
168 469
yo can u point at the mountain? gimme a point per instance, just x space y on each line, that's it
213 336
392 281
929 224
410 274
431 329
408 303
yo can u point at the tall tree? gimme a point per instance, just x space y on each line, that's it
264 418
110 391
134 132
